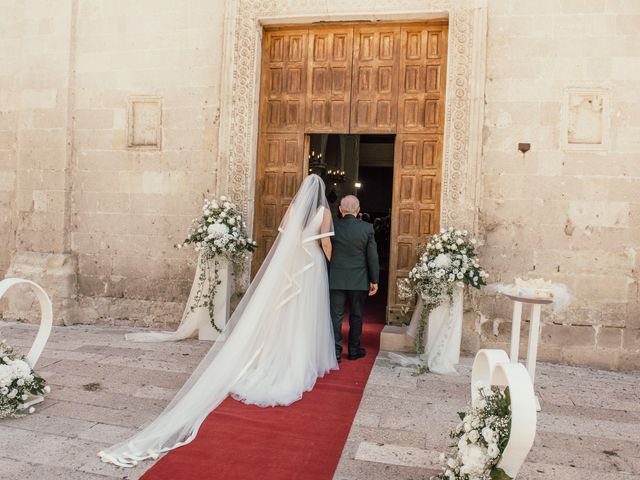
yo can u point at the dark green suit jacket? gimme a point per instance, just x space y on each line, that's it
354 261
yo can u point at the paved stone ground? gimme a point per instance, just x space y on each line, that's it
104 388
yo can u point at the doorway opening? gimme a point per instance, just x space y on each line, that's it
360 165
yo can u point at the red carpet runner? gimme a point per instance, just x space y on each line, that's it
300 442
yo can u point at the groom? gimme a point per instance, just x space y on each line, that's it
353 273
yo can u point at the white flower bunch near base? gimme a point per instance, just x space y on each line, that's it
18 383
480 438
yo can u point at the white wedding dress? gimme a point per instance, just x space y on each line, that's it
277 343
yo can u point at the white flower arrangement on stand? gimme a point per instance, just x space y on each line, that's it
20 386
448 261
481 437
220 234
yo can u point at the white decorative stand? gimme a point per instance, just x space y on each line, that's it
442 335
534 331
493 367
46 321
221 306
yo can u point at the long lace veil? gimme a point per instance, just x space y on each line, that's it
275 284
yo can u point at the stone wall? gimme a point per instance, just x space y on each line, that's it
131 204
83 181
572 216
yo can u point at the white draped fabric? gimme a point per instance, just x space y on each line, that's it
192 318
276 344
443 334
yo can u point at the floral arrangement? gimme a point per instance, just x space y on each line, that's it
220 233
481 437
449 260
18 383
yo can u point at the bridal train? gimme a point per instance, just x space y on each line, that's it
277 343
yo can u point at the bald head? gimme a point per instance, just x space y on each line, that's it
350 205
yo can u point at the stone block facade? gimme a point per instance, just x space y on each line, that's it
109 139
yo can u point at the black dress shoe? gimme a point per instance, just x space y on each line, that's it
359 354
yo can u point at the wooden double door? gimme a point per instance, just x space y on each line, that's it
358 79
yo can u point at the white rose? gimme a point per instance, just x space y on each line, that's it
459 241
443 260
218 230
488 434
473 461
20 382
20 368
12 393
474 436
232 221
24 397
459 275
493 450
47 389
32 409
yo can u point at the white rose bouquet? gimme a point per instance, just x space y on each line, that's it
481 437
220 233
447 261
18 383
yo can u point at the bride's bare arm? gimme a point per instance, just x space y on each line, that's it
326 227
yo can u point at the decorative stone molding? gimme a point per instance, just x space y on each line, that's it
464 97
585 119
145 123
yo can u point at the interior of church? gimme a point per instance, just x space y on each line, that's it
360 165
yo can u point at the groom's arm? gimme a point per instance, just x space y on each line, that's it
372 258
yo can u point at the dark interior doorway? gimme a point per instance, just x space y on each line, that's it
360 165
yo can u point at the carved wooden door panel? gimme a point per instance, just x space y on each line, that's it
284 81
280 170
329 80
421 99
416 204
374 91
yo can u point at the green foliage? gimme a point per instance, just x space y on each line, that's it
498 474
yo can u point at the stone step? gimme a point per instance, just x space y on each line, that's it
395 339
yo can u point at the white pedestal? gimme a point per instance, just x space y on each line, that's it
221 306
534 333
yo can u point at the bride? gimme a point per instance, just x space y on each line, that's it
277 343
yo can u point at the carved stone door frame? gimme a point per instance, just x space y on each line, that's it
462 149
